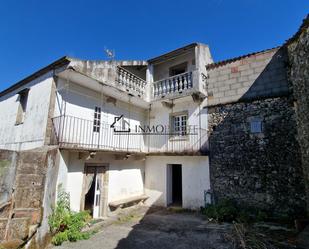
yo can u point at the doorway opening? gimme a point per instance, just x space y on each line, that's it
89 198
174 184
94 193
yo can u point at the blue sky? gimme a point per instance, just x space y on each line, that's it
34 33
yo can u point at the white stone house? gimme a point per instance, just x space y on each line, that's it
126 130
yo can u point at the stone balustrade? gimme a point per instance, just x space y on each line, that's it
130 81
171 85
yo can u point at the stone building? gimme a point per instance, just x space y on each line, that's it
255 157
170 130
258 127
298 71
110 133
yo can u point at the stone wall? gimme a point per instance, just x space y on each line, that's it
7 175
298 50
31 194
262 169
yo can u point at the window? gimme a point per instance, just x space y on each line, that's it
179 124
97 119
256 126
22 99
178 69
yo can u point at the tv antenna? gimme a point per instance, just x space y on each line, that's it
110 53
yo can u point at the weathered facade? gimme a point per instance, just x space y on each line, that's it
84 109
298 51
27 195
255 158
258 136
168 131
261 170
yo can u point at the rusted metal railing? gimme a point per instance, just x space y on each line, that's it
77 133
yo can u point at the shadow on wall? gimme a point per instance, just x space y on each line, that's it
254 155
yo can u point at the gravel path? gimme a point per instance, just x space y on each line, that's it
141 228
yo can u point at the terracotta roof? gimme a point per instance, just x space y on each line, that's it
227 61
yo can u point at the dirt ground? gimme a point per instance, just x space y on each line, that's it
143 228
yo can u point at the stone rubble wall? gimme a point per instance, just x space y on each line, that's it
298 51
260 170
7 175
31 196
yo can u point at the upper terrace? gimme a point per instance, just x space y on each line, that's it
174 74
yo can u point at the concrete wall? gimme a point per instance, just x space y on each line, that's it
80 102
31 133
203 57
126 177
195 179
160 115
139 71
255 76
161 70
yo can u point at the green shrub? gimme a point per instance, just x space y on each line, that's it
261 216
225 210
65 224
228 211
59 238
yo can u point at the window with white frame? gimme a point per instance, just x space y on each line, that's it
97 119
179 123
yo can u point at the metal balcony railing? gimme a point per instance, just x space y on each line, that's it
77 133
193 142
171 85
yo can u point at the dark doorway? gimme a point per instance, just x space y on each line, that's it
89 197
176 185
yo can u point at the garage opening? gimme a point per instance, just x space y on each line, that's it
174 185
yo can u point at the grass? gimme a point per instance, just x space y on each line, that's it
128 218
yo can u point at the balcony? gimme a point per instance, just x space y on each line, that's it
130 82
77 133
173 85
195 142
80 134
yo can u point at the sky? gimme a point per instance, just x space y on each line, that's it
34 33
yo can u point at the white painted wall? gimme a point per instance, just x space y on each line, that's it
161 69
159 115
195 179
63 169
126 177
80 102
31 133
